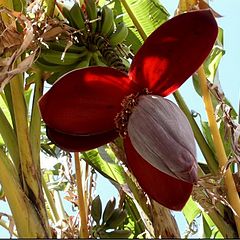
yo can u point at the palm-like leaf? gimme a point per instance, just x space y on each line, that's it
150 14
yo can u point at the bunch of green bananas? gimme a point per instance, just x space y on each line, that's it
111 218
95 42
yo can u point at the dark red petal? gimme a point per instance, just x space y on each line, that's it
172 53
85 101
168 191
73 143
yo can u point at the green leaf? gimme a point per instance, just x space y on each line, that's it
134 221
209 227
96 210
150 14
226 138
207 134
212 62
207 232
6 113
191 211
110 170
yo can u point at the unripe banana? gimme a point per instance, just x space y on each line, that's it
45 66
91 9
96 210
109 209
77 17
117 218
61 44
56 58
85 62
97 59
67 15
107 21
119 35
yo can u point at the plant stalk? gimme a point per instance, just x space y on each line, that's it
81 201
219 148
35 123
50 201
24 213
10 139
205 149
31 177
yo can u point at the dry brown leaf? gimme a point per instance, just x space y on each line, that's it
197 5
204 5
13 45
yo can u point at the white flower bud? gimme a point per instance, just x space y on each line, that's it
162 135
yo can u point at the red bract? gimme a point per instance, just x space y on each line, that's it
80 108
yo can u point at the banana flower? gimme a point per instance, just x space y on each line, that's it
89 107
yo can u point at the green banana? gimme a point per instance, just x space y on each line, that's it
55 76
97 59
92 14
61 44
107 21
115 234
96 210
108 211
77 17
117 218
45 66
85 62
119 35
55 57
67 15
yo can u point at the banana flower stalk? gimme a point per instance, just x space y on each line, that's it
89 107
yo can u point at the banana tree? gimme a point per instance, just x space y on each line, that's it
87 81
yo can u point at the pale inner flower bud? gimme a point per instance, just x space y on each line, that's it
162 135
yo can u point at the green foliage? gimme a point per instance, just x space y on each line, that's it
150 14
107 166
112 220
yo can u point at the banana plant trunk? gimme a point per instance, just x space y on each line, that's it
20 169
164 224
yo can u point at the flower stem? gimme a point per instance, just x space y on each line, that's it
219 148
134 20
35 124
9 138
81 202
50 201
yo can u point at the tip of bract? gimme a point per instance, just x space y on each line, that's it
173 52
166 190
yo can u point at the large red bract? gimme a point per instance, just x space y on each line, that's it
79 110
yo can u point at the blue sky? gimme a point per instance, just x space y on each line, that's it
228 73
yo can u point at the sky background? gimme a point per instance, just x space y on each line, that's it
228 75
